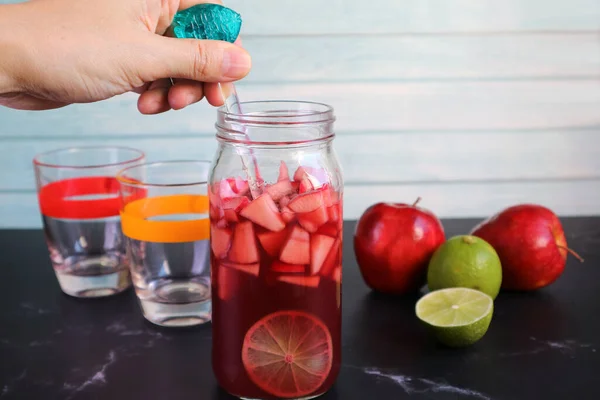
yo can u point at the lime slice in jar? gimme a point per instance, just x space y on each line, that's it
288 354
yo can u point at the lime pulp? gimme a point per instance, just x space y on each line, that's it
457 316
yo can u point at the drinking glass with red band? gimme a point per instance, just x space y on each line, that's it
78 197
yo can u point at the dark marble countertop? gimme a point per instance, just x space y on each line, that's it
543 345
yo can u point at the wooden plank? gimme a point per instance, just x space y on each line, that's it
360 107
481 156
19 210
567 198
480 199
19 154
310 17
406 58
380 157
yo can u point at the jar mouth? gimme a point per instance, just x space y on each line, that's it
276 122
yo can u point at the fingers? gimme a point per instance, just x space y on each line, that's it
213 95
198 60
190 62
155 99
216 93
161 96
185 93
141 89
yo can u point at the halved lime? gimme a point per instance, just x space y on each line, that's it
457 316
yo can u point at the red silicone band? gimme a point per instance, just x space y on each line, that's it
54 198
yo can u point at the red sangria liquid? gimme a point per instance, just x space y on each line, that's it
276 269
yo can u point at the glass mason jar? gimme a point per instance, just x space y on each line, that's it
276 251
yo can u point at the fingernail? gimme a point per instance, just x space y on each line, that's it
236 63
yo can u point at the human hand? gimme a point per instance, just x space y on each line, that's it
58 52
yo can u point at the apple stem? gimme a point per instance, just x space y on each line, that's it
416 202
577 256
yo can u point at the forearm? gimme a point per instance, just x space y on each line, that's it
10 30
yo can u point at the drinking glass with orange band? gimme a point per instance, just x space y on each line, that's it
167 234
78 196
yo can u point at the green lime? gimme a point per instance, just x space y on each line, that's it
465 261
457 316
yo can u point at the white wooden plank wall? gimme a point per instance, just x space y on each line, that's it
472 105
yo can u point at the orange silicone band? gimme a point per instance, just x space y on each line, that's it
135 223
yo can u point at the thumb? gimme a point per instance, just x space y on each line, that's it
199 60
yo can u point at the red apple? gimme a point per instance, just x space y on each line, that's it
531 244
393 243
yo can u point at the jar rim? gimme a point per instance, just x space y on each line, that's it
282 114
325 110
